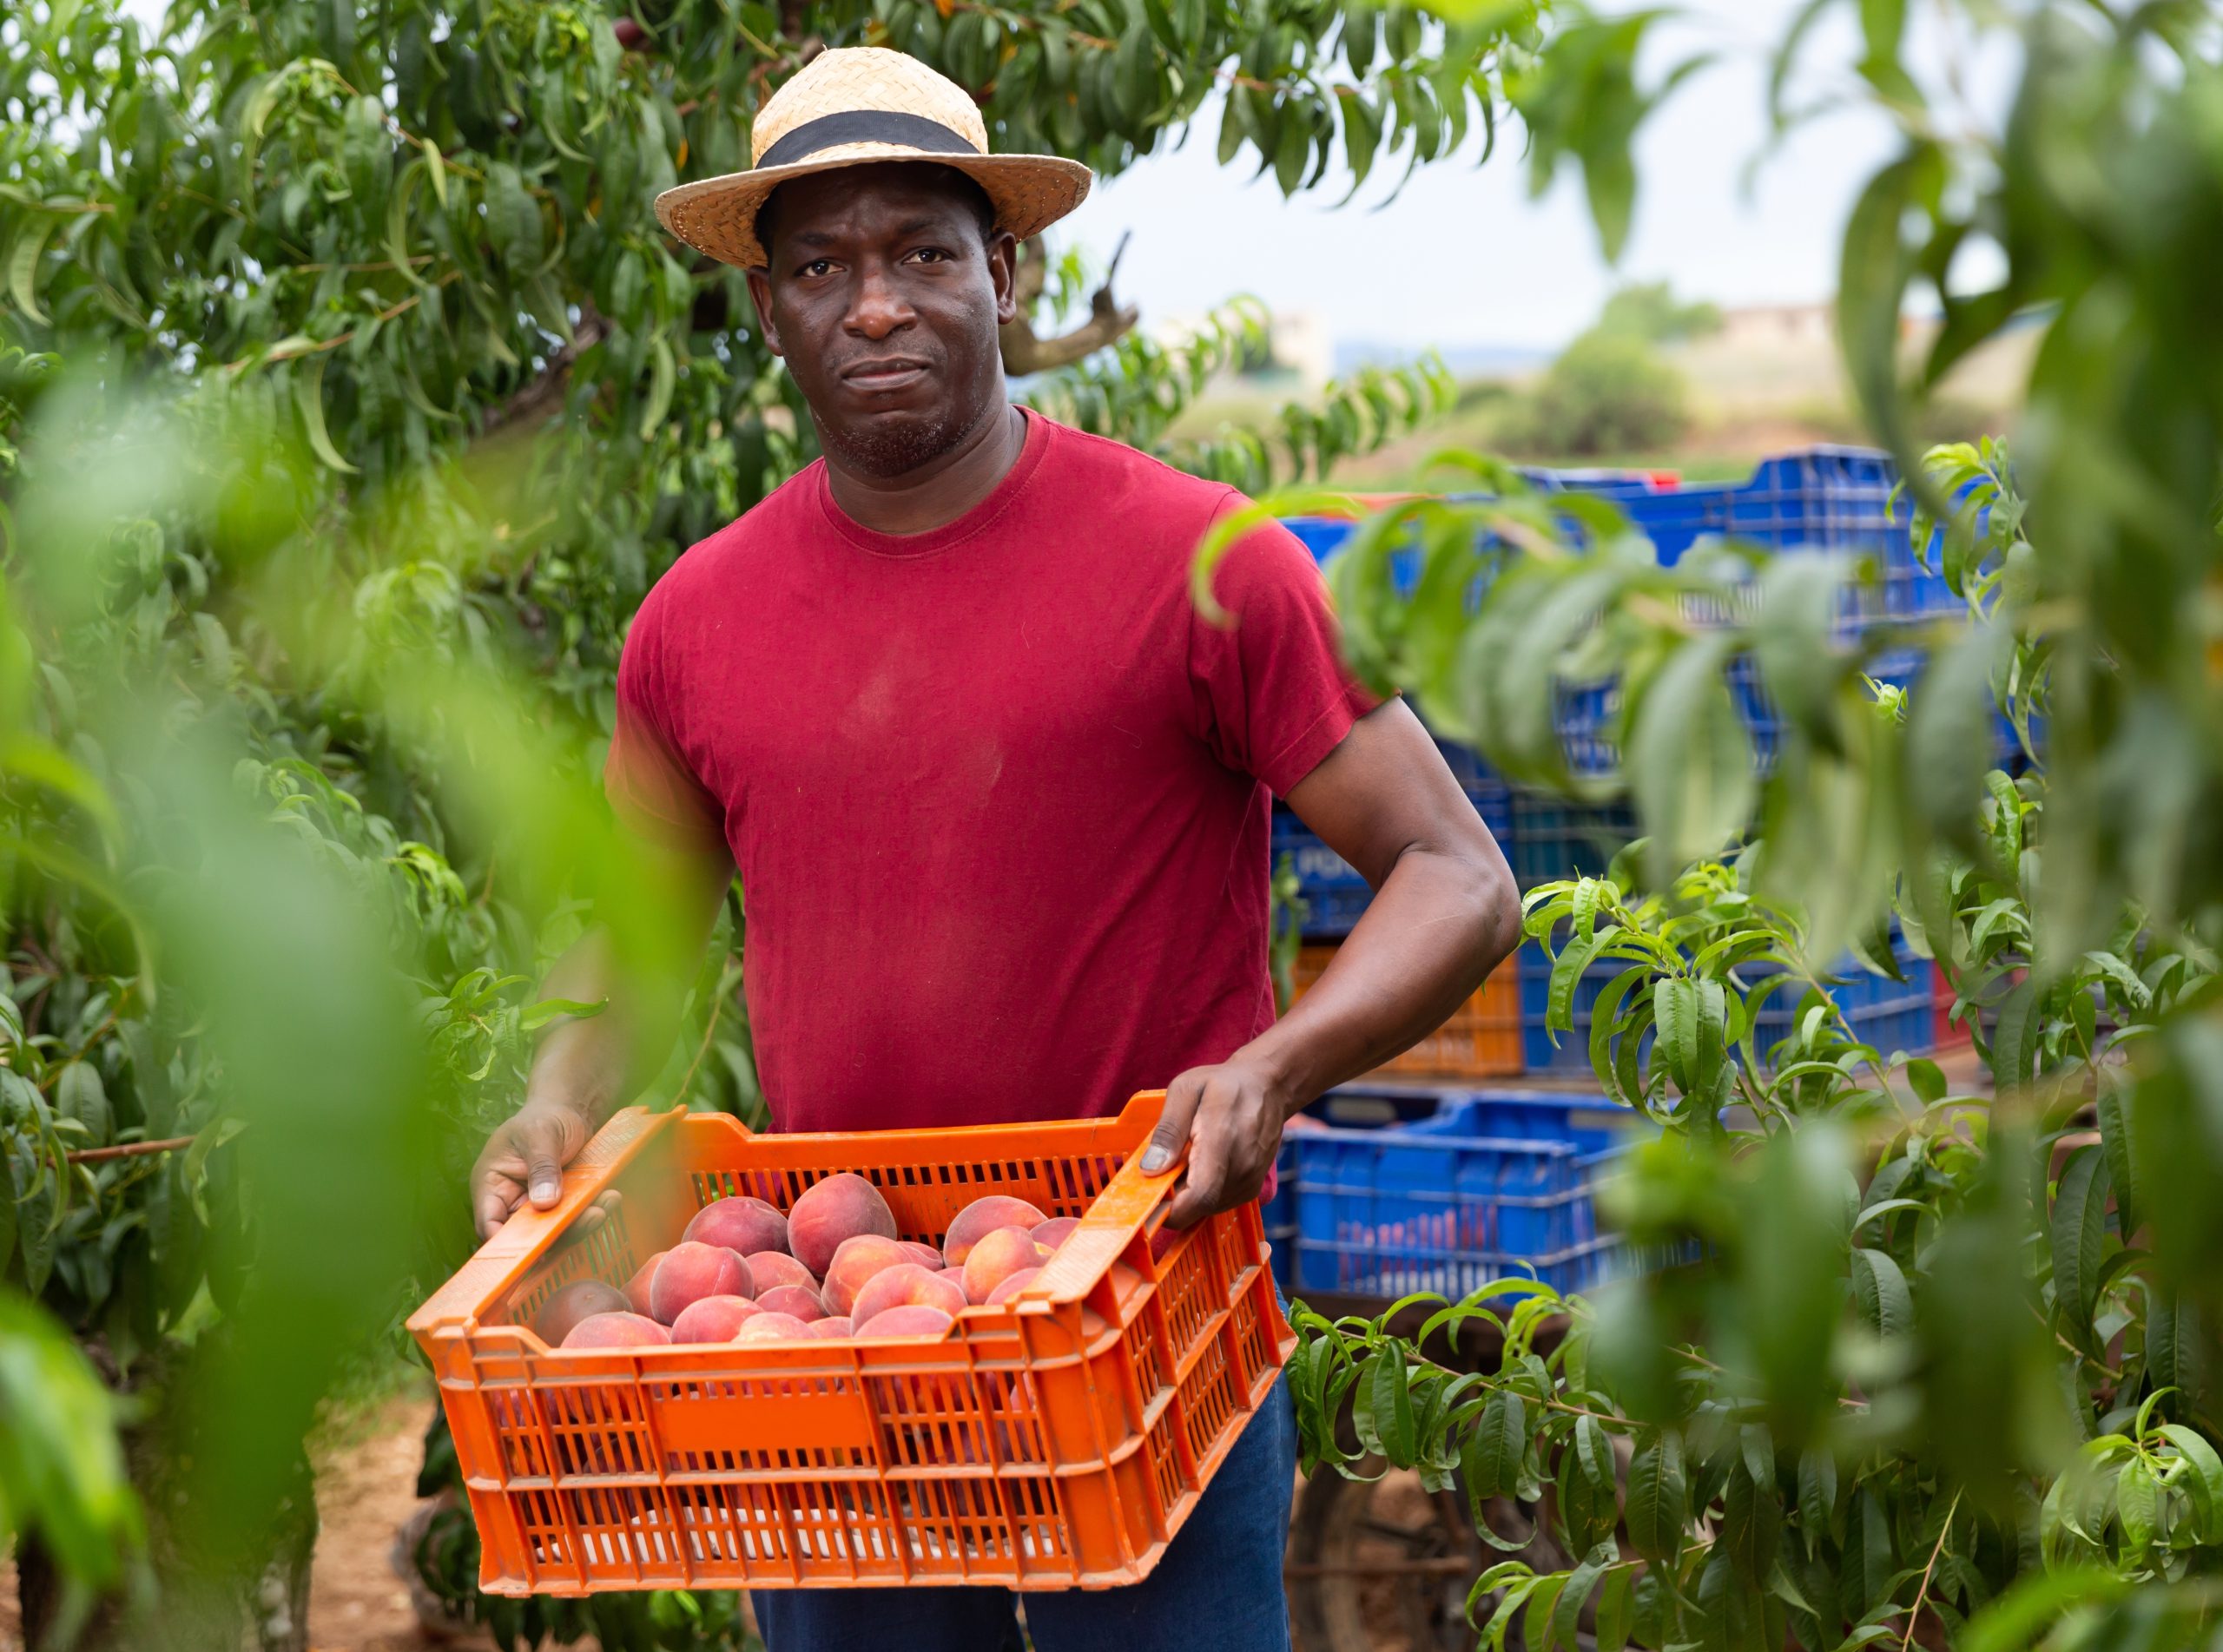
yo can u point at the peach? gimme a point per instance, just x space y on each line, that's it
1012 1283
770 1268
982 1217
1056 1231
739 1224
712 1318
954 1274
798 1301
925 1255
857 1260
637 1288
690 1272
1164 1240
996 1257
842 1206
834 1325
771 1327
911 1320
617 1331
907 1282
580 1300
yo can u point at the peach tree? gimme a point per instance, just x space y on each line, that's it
350 401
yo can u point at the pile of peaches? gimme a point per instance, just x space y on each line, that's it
831 1267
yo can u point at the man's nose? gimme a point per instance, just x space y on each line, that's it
878 306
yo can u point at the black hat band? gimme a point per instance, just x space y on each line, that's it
864 126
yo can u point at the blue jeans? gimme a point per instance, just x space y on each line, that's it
1218 1585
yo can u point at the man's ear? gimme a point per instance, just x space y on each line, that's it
1003 273
760 293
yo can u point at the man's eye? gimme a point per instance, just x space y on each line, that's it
931 255
817 266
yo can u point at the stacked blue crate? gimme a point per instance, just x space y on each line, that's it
1333 893
1493 1185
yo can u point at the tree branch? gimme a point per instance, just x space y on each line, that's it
1108 319
540 397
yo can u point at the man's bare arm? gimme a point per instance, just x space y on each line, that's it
1445 913
637 968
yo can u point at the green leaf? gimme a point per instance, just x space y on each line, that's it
1490 1457
1818 1497
512 219
1656 1504
2138 1503
1880 1288
1389 1394
1612 1618
1566 1611
80 1094
2115 1146
308 401
23 267
2078 1232
1692 1018
1595 1453
1689 756
1566 975
2206 1484
1751 1523
664 374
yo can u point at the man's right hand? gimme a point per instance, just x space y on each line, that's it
524 1159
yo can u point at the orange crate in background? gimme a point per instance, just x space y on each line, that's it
1055 1441
1481 1040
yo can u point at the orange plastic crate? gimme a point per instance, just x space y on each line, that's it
1055 1441
1481 1040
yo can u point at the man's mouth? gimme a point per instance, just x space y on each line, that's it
884 373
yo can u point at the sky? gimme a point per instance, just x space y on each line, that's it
1463 257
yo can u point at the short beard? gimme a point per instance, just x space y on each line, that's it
887 449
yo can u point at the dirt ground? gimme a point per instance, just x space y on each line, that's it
365 1490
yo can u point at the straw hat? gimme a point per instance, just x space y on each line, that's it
851 106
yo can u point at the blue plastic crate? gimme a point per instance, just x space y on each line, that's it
1551 839
1892 1015
1494 1185
1333 893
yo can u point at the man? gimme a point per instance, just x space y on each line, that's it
997 793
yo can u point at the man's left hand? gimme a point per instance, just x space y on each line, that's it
1231 1115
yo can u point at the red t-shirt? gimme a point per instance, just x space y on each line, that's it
998 795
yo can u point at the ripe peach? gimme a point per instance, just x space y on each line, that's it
617 1331
996 1257
637 1288
840 1207
739 1224
982 1217
911 1320
799 1301
857 1260
1012 1283
580 1300
1055 1232
771 1328
770 1268
905 1282
712 1318
955 1275
834 1325
692 1271
1164 1240
925 1255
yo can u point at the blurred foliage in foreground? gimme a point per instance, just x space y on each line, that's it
1935 1367
350 401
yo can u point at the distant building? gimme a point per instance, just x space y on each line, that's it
1300 350
1773 326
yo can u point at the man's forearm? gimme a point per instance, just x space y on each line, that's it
594 1064
1440 922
